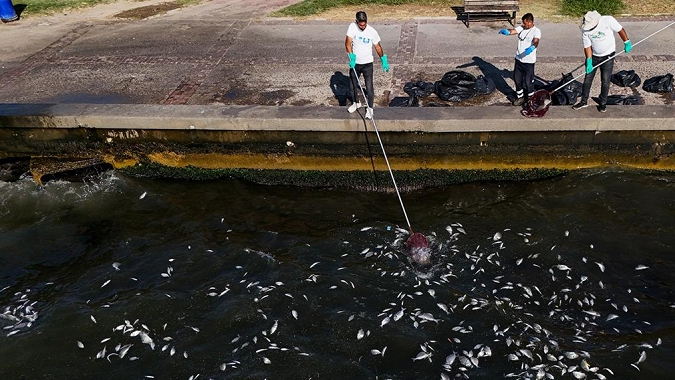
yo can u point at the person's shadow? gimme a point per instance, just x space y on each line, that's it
339 84
491 71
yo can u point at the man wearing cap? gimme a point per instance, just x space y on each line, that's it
597 34
526 56
359 43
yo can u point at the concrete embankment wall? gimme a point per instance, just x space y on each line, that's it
284 144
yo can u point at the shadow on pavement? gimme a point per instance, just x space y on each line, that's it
491 71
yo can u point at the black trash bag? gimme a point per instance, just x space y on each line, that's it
456 86
402 101
484 85
623 100
458 78
420 89
626 78
659 83
454 93
568 94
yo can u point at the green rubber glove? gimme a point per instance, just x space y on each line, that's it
627 46
589 65
385 64
352 60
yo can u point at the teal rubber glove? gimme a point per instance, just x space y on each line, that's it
352 60
589 65
529 50
504 32
627 46
385 64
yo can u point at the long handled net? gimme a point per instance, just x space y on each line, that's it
416 241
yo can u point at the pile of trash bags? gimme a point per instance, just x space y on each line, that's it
454 86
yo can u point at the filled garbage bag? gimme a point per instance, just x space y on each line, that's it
456 86
484 85
419 89
566 95
659 83
626 78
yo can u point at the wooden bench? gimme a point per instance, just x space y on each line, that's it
491 10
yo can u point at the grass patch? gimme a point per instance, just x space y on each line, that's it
580 7
313 7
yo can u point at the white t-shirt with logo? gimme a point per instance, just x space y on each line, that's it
525 38
362 42
601 38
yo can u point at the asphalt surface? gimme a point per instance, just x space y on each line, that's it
229 52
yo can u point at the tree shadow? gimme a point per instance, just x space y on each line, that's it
339 84
498 76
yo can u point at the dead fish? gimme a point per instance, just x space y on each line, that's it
385 321
295 314
421 356
143 195
601 266
116 265
274 327
641 267
360 335
80 344
643 357
266 360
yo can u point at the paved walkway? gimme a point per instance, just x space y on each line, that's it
229 52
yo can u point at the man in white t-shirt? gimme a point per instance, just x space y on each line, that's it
597 34
359 44
526 56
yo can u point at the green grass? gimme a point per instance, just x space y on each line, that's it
46 7
568 7
312 7
580 7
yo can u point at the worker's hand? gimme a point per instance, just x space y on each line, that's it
504 32
385 63
352 60
627 46
589 65
529 50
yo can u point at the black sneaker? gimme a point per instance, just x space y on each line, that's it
519 101
580 105
602 108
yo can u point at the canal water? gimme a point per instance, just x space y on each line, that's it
125 278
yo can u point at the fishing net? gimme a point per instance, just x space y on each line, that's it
418 248
537 104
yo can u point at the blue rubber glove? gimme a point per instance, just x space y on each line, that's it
589 65
352 60
385 64
627 46
529 50
504 32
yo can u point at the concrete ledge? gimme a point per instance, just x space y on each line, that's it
329 139
326 119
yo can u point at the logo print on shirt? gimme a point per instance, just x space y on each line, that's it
598 35
364 40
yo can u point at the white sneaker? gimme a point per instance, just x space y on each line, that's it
354 107
369 113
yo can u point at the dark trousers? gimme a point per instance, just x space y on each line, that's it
523 75
367 72
605 76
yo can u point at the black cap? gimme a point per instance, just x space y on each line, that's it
361 16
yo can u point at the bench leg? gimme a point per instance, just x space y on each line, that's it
513 19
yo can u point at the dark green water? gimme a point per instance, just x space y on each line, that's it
121 278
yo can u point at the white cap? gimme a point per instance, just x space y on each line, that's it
591 19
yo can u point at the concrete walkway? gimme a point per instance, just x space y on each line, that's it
229 52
